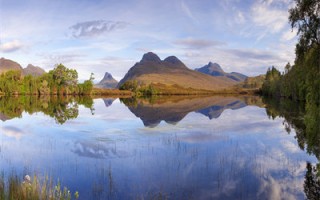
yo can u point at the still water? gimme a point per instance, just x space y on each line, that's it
176 148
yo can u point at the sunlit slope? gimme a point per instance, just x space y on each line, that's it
171 71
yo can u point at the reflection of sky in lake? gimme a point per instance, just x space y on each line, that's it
242 154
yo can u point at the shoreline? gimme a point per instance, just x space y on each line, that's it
98 92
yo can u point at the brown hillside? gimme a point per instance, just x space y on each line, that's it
7 65
171 71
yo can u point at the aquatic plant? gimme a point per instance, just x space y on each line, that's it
12 188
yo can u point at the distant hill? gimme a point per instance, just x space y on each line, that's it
171 71
215 69
7 65
107 82
33 70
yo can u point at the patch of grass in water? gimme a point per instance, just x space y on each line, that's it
13 188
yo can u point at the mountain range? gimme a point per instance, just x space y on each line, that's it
172 72
215 69
7 65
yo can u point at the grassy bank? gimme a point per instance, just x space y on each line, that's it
159 89
152 90
100 92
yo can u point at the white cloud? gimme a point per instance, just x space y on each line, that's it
95 28
269 17
11 46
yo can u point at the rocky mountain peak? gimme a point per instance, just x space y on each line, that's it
107 75
214 67
107 82
151 57
172 60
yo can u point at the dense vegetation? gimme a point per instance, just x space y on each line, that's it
301 82
139 90
59 81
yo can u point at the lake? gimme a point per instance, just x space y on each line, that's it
175 147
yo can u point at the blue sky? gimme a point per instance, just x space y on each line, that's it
111 36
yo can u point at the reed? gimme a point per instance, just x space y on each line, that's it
13 188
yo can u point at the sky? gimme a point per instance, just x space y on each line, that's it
99 36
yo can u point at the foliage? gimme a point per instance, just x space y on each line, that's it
306 17
131 85
59 81
301 81
312 183
271 84
253 82
86 87
139 89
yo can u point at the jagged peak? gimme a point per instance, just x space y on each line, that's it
150 56
107 75
214 66
211 64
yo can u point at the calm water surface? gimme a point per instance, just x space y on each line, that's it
205 148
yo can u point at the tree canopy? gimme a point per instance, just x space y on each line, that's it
59 81
306 17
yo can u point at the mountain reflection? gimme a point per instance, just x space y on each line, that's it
60 108
173 109
216 110
108 101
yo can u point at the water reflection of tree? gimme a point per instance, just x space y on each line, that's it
306 123
312 183
61 108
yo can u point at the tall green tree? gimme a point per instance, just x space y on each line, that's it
305 16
